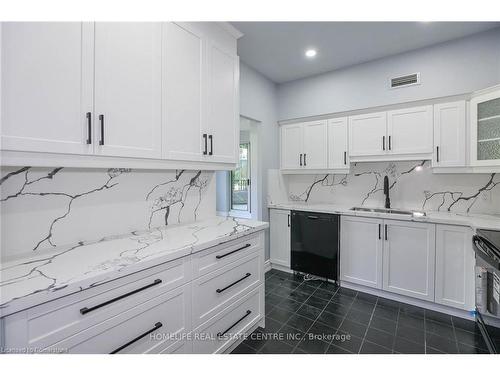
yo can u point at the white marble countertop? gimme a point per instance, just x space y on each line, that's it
38 278
472 220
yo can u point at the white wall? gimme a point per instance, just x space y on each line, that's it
451 68
258 102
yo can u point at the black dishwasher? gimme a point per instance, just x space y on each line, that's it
315 243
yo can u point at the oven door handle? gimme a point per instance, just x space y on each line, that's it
486 250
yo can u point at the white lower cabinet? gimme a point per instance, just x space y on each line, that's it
361 251
279 228
454 267
409 256
431 262
152 311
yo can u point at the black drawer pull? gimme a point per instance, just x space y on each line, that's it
101 119
89 130
86 310
379 236
305 162
157 326
233 284
345 157
389 143
220 334
383 143
437 154
301 160
386 232
231 252
211 137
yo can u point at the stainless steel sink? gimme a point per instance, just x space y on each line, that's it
389 211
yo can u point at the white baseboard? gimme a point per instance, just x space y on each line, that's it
409 300
267 266
279 267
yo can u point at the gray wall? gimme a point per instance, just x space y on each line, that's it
258 102
451 68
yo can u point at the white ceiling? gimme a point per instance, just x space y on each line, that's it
276 49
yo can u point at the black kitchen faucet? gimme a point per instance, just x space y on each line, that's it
386 192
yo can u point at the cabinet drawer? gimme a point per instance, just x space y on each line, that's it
214 291
151 327
221 331
54 321
209 260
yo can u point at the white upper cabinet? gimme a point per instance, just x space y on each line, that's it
128 89
182 92
485 128
450 135
455 262
222 104
409 131
338 157
304 145
315 146
361 251
409 258
291 146
136 90
46 86
367 134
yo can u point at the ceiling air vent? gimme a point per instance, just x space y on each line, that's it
403 81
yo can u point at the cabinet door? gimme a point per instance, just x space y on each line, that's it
409 255
454 267
128 89
291 146
182 88
223 105
338 157
361 251
449 135
485 129
315 145
367 134
410 130
46 86
279 228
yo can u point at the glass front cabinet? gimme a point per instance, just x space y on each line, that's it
485 128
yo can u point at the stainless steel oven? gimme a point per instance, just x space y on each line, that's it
487 247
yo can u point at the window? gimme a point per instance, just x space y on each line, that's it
240 181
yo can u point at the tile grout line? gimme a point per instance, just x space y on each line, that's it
344 318
425 332
303 281
367 326
396 332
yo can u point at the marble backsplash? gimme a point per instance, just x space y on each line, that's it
412 185
41 208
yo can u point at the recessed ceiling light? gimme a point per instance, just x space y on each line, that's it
311 53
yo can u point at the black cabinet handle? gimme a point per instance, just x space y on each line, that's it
389 143
437 154
305 160
345 157
383 143
232 252
86 310
301 160
89 128
158 325
288 220
379 230
101 119
233 284
386 232
220 334
206 147
211 144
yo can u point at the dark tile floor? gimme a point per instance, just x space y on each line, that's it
318 317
